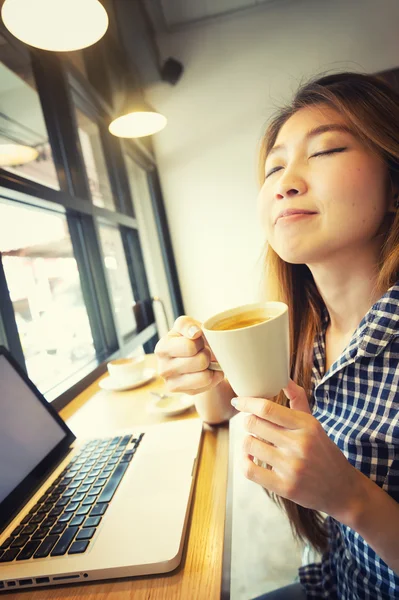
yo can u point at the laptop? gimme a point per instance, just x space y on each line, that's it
71 511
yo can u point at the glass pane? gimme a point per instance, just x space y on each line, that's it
43 280
121 289
21 120
93 156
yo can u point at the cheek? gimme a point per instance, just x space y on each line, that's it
364 194
263 208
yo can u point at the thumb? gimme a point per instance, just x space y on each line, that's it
297 397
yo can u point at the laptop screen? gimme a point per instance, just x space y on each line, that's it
27 430
33 438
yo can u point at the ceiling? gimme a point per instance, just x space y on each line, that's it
170 15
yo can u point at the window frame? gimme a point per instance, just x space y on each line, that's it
58 85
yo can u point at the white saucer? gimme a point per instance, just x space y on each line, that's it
142 377
173 404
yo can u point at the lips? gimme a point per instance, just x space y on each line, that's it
288 212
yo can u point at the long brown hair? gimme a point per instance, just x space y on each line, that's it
371 108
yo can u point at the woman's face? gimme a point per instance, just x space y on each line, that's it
317 165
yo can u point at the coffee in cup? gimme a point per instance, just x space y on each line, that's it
251 344
125 370
244 319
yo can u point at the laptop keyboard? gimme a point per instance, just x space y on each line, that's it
65 519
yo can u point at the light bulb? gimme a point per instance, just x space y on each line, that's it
57 25
137 124
12 155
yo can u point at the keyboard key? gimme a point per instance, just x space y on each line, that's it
64 542
26 519
6 543
95 472
19 541
77 521
78 547
94 492
38 518
101 482
28 550
63 501
92 522
126 459
84 488
78 497
40 533
98 510
86 533
57 510
83 510
69 492
72 507
72 486
49 522
89 500
17 531
46 546
29 529
9 555
90 480
59 528
110 489
65 517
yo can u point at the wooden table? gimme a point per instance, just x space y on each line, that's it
199 576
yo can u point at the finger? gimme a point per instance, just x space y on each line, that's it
213 357
267 431
188 327
176 346
265 477
270 411
194 383
297 397
262 451
174 367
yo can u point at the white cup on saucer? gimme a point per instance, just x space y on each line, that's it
124 371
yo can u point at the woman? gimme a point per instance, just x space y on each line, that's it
332 155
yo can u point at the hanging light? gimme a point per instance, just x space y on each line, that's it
138 119
12 155
58 25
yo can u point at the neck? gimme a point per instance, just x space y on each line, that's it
346 285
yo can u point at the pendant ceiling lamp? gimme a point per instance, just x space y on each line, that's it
12 155
57 25
136 120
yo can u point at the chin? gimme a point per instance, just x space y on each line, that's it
296 255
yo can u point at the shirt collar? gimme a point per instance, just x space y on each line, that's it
379 325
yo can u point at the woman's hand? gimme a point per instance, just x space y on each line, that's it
183 356
306 466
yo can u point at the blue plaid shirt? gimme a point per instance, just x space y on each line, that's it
357 403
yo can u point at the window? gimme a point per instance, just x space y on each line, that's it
70 271
21 121
93 156
121 289
44 285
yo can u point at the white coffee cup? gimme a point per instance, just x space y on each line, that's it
254 358
126 370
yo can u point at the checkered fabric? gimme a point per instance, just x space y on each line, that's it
357 403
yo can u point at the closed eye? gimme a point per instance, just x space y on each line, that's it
324 153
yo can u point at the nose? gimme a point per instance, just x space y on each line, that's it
289 186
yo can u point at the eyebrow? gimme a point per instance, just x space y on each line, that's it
318 131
